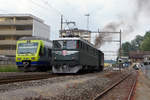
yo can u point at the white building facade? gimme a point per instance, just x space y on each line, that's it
15 26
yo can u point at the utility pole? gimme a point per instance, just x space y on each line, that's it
120 45
87 21
61 22
120 53
61 27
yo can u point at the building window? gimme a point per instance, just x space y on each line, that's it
23 18
8 47
7 28
2 19
24 27
2 38
6 19
7 37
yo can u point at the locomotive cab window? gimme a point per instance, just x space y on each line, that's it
65 44
25 48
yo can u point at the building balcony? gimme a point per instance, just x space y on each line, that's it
14 32
17 22
85 36
8 42
8 52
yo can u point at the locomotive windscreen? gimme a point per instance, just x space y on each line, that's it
24 48
65 44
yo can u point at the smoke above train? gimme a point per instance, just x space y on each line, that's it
130 21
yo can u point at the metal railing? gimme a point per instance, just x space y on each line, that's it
16 32
17 22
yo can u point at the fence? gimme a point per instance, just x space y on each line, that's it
7 61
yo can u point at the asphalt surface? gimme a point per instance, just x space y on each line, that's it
146 70
143 87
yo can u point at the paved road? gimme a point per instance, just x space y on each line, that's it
146 70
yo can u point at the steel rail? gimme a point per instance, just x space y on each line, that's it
109 88
22 78
132 89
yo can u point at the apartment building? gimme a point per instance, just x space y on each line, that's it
76 32
14 26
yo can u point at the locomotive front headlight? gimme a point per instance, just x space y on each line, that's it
18 58
33 58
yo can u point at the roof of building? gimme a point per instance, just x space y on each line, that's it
21 15
138 54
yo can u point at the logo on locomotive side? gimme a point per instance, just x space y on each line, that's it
64 52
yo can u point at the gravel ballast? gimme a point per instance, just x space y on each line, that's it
72 87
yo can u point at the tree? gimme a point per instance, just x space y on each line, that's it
126 47
136 43
145 45
147 34
133 46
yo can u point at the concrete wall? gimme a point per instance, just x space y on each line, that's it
41 30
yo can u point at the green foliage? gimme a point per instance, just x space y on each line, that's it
139 43
126 47
136 43
133 46
145 46
147 35
9 68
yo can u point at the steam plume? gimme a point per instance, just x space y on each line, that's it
130 23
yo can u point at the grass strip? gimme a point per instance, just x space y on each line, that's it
8 68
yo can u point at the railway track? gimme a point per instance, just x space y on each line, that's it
114 91
21 78
29 77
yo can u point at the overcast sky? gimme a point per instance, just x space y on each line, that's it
128 15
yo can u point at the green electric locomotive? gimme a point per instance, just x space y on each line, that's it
72 55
